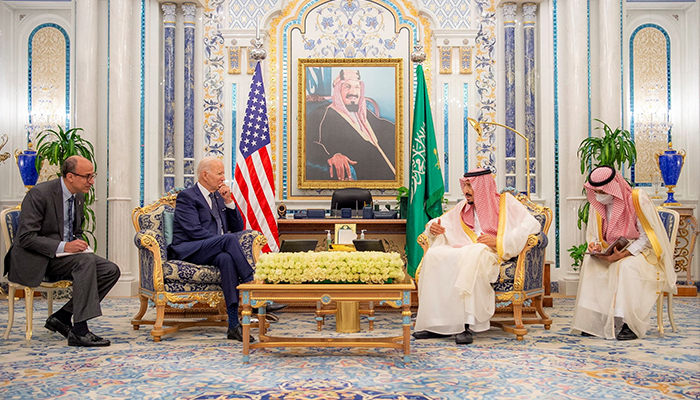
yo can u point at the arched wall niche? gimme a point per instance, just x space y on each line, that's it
338 30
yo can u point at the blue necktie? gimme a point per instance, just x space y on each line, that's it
215 211
69 221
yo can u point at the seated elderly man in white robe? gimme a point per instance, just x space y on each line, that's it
623 286
467 245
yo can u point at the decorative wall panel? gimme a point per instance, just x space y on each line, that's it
245 14
486 82
451 14
48 79
214 67
651 126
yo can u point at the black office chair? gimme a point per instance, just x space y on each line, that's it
353 198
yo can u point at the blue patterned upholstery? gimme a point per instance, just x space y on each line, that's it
521 280
669 221
12 222
175 282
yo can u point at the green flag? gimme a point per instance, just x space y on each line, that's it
426 188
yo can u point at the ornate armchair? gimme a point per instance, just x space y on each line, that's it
9 221
519 288
177 288
670 220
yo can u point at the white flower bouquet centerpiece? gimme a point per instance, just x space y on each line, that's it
330 267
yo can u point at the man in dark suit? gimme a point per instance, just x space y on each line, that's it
49 244
205 218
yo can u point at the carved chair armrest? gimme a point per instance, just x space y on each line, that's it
534 249
151 258
424 244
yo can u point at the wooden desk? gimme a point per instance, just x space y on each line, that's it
257 295
319 226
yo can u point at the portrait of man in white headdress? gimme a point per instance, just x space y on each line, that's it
348 140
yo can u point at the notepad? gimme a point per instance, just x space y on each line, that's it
86 251
620 244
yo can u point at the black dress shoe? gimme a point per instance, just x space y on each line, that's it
237 334
274 307
55 325
428 335
89 340
464 337
626 333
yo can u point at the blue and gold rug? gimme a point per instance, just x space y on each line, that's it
199 363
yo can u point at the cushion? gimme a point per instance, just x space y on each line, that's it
168 220
185 272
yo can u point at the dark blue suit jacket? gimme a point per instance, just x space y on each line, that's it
194 222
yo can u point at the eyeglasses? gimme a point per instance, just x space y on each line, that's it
88 177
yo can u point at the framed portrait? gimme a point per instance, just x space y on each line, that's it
350 123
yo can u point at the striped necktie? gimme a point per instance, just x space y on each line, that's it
215 210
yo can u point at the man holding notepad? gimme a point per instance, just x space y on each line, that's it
630 260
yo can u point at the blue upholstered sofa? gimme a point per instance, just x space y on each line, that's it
187 293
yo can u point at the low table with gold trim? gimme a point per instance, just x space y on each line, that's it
258 295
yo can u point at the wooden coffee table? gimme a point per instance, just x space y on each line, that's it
258 295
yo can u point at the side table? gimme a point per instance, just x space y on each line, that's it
684 248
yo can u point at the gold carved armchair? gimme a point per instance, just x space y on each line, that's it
178 288
519 288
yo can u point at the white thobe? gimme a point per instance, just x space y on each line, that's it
628 287
454 285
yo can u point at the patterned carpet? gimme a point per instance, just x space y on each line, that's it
199 363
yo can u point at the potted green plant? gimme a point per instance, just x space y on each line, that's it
577 253
402 200
55 146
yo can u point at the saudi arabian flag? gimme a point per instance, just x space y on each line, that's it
426 187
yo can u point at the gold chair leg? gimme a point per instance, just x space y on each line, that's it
670 312
157 331
29 301
11 288
141 313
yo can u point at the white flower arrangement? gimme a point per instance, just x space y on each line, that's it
330 267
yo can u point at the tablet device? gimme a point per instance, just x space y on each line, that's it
369 245
298 245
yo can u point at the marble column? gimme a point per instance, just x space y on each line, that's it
86 67
509 10
529 14
120 246
609 69
573 117
190 12
169 22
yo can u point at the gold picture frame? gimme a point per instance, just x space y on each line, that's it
358 130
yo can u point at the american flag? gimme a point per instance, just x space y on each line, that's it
254 191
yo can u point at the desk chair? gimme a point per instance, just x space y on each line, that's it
353 198
9 221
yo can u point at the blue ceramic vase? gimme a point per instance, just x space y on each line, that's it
26 162
670 164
